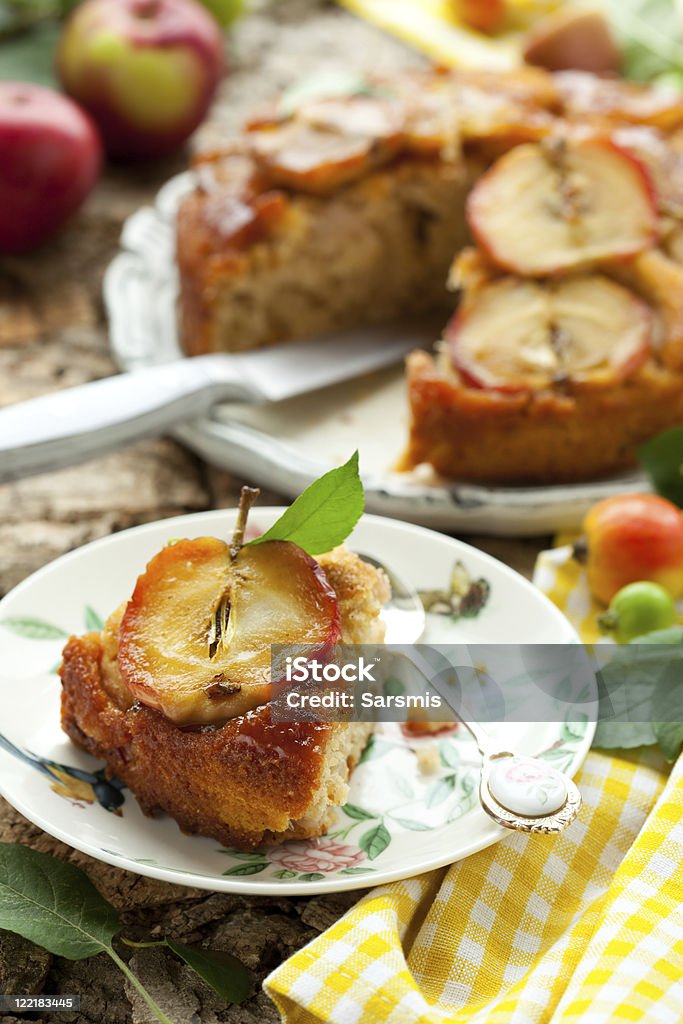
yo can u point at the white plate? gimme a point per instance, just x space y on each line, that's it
289 444
399 820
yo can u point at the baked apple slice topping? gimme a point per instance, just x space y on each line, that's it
329 142
195 640
586 97
520 336
565 204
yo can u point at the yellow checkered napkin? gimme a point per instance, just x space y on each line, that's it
583 927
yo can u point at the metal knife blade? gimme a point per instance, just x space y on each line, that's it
70 426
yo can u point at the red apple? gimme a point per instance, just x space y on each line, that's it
147 70
633 537
51 158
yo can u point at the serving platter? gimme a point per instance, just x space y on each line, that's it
401 816
287 445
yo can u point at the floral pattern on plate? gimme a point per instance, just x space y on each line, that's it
409 797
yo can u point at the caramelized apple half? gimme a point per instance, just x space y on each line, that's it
195 639
546 209
528 336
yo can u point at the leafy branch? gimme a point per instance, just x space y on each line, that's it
55 905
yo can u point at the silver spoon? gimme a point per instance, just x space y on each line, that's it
519 792
403 615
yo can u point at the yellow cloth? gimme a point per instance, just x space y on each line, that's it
582 927
432 26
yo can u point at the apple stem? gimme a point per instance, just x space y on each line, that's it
248 496
580 550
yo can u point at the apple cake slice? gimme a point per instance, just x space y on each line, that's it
566 352
174 693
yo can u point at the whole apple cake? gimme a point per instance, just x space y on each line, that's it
556 200
182 713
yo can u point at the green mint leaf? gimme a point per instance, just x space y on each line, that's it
53 904
662 460
325 514
223 972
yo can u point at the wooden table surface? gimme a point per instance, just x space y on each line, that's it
53 334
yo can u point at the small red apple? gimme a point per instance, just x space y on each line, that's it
51 158
147 70
633 537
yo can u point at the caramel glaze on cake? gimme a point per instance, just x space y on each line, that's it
249 781
346 210
341 211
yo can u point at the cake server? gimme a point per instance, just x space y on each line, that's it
75 424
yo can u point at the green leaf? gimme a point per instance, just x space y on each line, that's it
449 755
670 738
575 729
246 869
414 826
441 790
323 84
33 629
393 688
672 635
667 710
311 876
374 750
242 854
375 841
223 972
355 871
284 873
53 904
325 514
662 460
650 35
93 622
351 811
29 57
639 686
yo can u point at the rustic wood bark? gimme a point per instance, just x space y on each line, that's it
52 335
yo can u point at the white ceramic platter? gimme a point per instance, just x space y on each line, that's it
399 819
289 444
